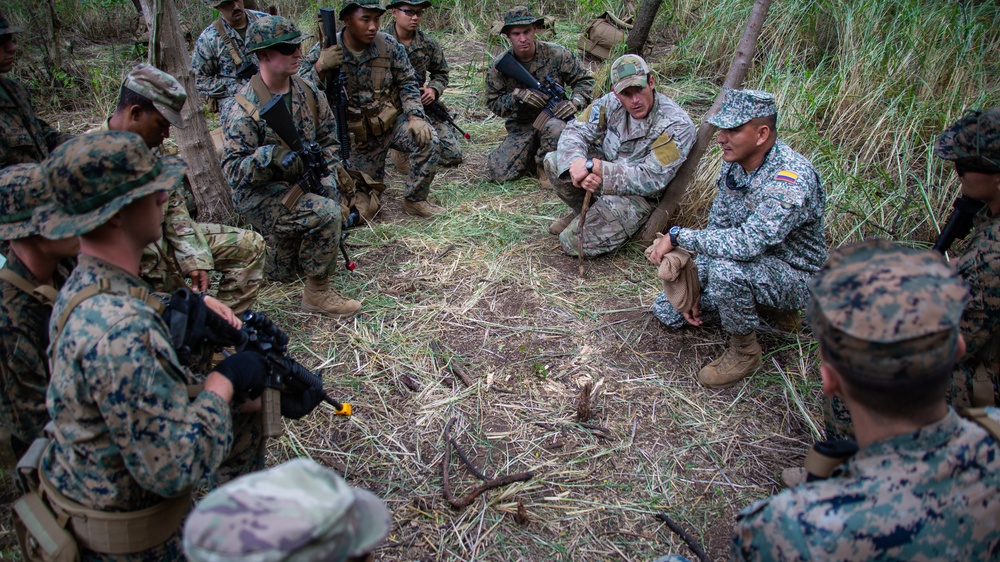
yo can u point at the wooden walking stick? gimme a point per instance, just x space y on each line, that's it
579 236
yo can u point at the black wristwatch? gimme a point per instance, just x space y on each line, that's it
589 164
673 232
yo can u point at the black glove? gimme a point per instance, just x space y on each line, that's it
303 399
247 370
289 163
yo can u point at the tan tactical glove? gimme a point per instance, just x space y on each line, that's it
530 98
289 164
329 58
564 110
420 131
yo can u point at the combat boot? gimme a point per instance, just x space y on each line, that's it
739 361
785 321
319 297
560 225
400 161
424 209
543 177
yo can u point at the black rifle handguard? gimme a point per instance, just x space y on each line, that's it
336 84
960 223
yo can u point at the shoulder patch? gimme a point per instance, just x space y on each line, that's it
787 176
665 149
584 116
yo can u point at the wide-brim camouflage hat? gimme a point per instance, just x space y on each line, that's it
366 4
93 176
299 511
520 15
740 106
974 139
21 192
887 311
213 4
272 30
629 71
414 3
165 91
6 27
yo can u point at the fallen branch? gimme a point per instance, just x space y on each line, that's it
466 500
452 363
688 539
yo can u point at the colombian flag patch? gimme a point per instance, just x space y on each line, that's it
787 176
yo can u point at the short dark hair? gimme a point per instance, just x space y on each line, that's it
770 120
127 98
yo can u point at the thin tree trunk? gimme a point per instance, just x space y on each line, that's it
643 23
53 48
660 218
212 194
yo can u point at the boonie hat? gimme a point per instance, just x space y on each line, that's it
272 30
415 3
887 312
212 4
21 192
297 511
6 27
629 71
165 91
974 139
740 106
520 15
366 4
93 176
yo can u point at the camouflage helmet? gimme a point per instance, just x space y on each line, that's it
93 176
740 106
887 312
366 4
973 140
166 93
298 511
272 30
6 27
414 3
629 71
520 15
21 192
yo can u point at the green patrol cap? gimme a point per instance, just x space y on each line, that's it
520 15
366 4
21 192
166 93
297 511
740 106
974 140
272 30
886 311
414 3
6 27
94 175
629 71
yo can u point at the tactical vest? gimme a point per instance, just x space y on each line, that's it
378 116
264 95
44 294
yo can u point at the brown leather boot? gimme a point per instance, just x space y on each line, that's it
543 177
319 297
424 209
560 225
400 161
739 361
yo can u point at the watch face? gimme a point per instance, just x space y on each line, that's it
589 164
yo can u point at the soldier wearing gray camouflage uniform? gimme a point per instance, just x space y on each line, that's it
220 53
764 237
25 138
430 67
523 149
624 148
925 484
35 270
383 108
150 102
298 511
264 173
127 436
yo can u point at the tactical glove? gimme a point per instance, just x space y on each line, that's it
330 57
420 131
564 110
530 98
288 163
247 370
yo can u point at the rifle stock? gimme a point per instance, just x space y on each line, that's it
960 222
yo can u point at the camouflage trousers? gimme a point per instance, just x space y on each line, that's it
369 157
522 151
451 149
731 291
237 254
305 239
611 219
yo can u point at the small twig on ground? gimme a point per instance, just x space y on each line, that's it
451 362
466 500
688 539
522 514
583 403
597 430
410 383
465 460
443 253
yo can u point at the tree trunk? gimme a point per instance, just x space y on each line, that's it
53 49
660 218
643 23
168 51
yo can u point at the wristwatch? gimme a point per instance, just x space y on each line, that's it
589 164
673 232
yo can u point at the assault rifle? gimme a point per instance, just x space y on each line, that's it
960 223
275 114
509 66
336 83
440 113
246 70
193 326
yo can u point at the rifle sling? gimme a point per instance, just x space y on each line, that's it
44 294
233 51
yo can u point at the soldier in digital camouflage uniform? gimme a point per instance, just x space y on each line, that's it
764 237
25 137
431 68
383 108
925 483
973 144
220 53
264 173
36 268
150 102
523 149
126 434
298 511
624 148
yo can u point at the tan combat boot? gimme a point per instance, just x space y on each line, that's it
400 161
560 225
424 209
543 177
739 361
319 297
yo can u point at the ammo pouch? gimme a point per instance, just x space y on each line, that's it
603 34
374 119
40 535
